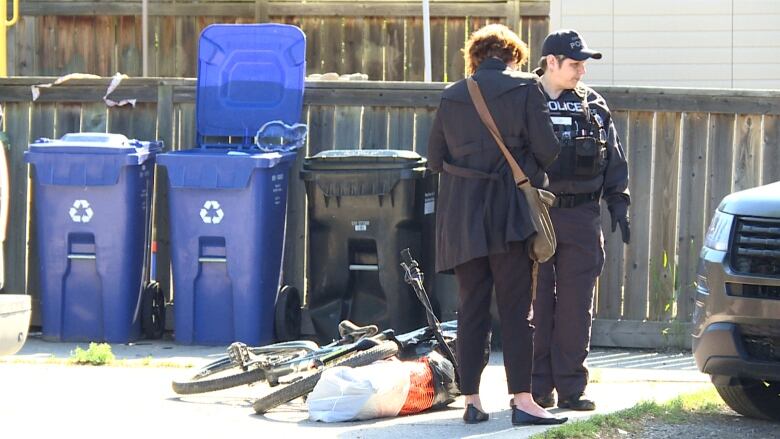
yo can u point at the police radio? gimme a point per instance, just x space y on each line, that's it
582 137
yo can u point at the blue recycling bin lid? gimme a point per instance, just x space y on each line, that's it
87 159
93 143
248 74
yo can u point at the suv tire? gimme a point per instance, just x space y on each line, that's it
749 397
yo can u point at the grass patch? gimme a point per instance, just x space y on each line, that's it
630 420
97 354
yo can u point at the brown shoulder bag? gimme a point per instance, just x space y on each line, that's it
539 201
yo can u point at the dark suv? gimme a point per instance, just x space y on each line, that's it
736 319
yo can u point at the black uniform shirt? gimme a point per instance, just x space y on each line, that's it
566 113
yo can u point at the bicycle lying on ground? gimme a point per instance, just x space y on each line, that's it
293 368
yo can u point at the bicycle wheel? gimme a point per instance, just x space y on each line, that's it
206 379
305 385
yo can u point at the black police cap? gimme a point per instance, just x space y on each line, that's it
569 43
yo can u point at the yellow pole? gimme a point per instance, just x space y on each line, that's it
4 25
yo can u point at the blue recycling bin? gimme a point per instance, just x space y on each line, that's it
92 207
227 198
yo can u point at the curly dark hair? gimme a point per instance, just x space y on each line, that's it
493 40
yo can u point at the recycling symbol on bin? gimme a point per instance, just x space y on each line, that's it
211 213
81 212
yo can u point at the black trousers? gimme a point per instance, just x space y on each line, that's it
563 309
510 273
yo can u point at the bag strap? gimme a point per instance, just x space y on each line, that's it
487 119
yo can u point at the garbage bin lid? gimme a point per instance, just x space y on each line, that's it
93 143
350 159
248 74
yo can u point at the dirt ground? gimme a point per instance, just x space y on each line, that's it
727 424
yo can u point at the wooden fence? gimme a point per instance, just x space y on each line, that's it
382 38
686 149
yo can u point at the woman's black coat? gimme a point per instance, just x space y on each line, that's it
479 208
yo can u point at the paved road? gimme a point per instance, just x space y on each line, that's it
58 400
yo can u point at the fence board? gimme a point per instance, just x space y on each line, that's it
186 46
27 40
771 150
747 152
538 28
414 60
17 124
693 179
105 63
423 120
293 268
639 155
640 334
400 129
94 117
42 124
719 160
610 283
374 128
187 129
373 49
321 125
354 35
311 27
68 119
438 65
47 49
161 229
347 132
456 38
663 238
394 50
332 53
120 120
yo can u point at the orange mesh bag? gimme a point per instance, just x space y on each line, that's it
421 391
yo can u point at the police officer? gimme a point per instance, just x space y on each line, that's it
591 166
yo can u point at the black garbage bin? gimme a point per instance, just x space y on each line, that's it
365 206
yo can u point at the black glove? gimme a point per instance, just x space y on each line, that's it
618 211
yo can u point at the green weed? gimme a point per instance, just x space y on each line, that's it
97 354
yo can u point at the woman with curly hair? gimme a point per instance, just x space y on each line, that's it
483 222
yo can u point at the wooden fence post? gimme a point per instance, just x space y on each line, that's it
513 18
261 11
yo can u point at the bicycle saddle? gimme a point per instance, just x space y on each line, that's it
350 330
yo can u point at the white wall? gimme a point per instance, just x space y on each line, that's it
687 43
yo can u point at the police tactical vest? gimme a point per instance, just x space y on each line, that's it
581 133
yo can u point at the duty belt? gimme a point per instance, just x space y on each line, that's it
574 200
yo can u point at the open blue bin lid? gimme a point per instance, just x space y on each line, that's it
248 74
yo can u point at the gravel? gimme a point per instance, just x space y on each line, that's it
727 424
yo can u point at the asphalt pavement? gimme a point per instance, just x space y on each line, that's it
41 395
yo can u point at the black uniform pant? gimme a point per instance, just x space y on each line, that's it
563 308
510 273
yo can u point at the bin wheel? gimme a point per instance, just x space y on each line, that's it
287 314
153 311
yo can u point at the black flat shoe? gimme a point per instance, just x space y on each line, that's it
473 415
520 417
